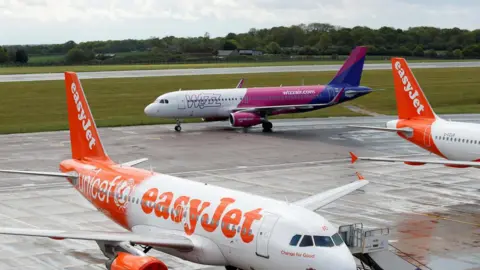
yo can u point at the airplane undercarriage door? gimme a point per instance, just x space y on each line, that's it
427 138
264 234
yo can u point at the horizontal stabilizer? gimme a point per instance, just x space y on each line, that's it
133 162
54 174
405 130
321 199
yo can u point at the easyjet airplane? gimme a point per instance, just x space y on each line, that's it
458 142
195 221
247 107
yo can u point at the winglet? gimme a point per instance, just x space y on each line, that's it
360 177
240 83
353 157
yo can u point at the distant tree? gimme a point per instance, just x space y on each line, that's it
230 44
404 51
324 42
458 53
431 53
231 36
472 51
418 51
3 56
449 54
12 55
156 50
75 56
273 48
21 56
68 46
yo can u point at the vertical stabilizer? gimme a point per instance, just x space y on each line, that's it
411 101
84 138
350 73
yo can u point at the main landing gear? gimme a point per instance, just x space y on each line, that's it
267 126
178 127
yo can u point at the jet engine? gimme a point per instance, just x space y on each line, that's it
244 119
213 119
126 261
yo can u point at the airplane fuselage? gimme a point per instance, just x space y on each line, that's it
227 227
451 140
219 103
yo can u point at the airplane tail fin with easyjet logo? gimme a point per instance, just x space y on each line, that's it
411 101
84 138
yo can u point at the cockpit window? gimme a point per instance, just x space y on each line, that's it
162 101
337 239
166 101
323 241
295 240
306 241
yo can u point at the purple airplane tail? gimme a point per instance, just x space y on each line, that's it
351 71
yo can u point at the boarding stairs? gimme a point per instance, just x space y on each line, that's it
372 249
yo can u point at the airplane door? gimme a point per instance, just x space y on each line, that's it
264 233
427 139
181 102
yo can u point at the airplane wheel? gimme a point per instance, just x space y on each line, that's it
178 128
267 126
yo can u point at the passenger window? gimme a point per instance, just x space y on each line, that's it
337 239
306 241
295 239
323 241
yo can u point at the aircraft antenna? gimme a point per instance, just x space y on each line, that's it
180 89
303 81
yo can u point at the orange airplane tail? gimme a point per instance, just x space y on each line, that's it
411 101
84 138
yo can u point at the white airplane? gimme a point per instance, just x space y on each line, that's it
457 142
247 107
195 221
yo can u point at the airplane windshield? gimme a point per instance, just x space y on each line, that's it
295 240
306 241
323 241
337 239
163 101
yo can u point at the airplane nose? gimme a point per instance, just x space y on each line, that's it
150 109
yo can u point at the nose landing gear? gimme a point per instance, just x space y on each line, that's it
178 127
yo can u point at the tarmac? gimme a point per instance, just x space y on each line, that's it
433 211
216 71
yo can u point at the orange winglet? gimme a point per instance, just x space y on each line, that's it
354 157
360 177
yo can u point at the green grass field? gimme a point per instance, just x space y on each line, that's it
40 106
93 68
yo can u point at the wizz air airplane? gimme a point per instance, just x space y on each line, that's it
247 107
457 142
195 221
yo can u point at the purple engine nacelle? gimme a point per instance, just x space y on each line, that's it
244 119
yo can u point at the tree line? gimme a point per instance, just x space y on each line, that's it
314 39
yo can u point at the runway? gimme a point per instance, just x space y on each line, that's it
433 211
217 71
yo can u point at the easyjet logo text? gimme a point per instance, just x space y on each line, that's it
86 123
190 212
412 93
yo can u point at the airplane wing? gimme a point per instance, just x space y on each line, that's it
41 173
446 162
321 199
404 130
155 240
293 106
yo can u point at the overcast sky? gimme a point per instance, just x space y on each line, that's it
57 21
